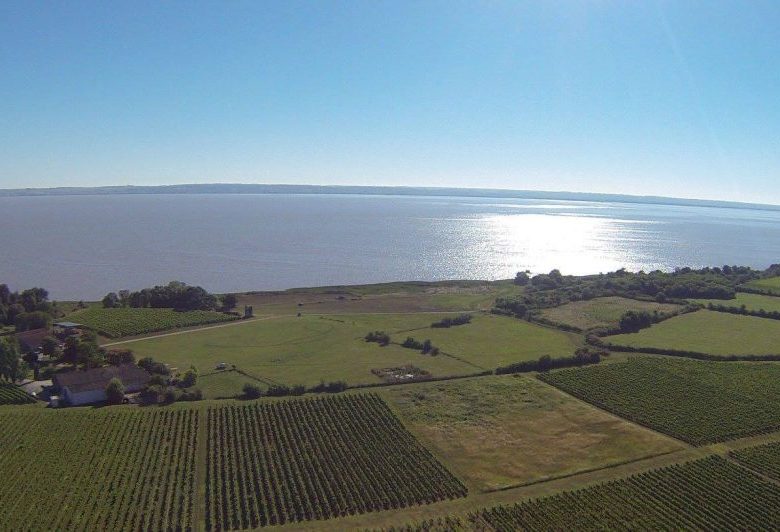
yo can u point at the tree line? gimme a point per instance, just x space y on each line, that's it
26 310
176 295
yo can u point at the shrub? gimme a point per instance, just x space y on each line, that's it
379 337
252 391
115 392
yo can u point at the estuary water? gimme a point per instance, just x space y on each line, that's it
81 247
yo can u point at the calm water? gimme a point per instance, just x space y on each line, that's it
81 247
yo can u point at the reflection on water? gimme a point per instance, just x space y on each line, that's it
84 246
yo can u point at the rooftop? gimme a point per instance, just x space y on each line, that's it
98 378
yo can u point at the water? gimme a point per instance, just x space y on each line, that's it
81 247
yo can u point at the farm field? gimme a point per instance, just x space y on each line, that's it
386 297
751 302
10 394
118 322
290 350
505 430
224 384
705 331
762 458
490 341
707 494
699 402
770 284
301 460
99 470
601 312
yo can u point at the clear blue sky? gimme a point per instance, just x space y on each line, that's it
671 98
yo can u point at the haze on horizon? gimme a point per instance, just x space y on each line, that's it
653 98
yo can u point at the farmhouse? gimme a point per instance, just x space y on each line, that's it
85 387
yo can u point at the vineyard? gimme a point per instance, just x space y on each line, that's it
118 322
699 402
763 458
298 460
98 471
708 494
10 394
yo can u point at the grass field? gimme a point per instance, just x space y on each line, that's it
771 284
224 384
763 458
705 331
490 341
751 302
303 460
11 394
87 470
699 402
306 350
385 297
499 431
601 312
118 322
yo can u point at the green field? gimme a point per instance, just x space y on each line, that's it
699 402
705 331
11 394
763 458
98 470
505 430
490 341
601 312
224 384
750 301
770 284
302 460
306 350
118 322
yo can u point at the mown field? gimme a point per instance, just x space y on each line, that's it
705 331
301 460
601 312
699 402
750 301
11 394
118 322
505 430
490 341
762 458
306 350
117 470
224 384
771 284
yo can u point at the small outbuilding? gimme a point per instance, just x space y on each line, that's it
86 387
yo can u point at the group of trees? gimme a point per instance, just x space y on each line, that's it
379 337
426 347
554 289
254 391
582 357
12 367
26 310
165 388
446 323
175 294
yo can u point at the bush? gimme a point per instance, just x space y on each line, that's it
446 323
379 337
252 391
115 392
117 357
190 378
149 364
192 395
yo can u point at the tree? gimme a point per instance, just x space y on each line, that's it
117 357
521 279
252 391
50 346
190 378
111 300
12 367
27 321
229 301
89 355
70 352
115 392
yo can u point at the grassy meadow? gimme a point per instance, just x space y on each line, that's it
751 302
499 431
601 312
705 331
308 349
770 284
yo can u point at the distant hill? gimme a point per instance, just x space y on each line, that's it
227 188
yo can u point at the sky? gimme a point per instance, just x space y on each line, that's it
662 98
